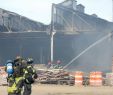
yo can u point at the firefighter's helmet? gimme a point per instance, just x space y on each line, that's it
30 60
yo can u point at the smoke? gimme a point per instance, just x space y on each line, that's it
97 58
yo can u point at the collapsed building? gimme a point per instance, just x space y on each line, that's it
75 32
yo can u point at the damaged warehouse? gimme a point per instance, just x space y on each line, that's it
75 32
71 55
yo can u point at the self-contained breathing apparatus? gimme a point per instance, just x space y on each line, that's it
14 68
9 67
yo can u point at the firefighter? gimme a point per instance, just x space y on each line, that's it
14 79
15 85
29 77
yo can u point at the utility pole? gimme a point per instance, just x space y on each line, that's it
52 45
52 33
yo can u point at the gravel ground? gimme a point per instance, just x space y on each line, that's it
39 89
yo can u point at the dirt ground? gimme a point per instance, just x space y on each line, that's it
39 89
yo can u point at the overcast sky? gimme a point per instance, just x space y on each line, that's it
40 10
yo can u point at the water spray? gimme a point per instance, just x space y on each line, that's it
92 45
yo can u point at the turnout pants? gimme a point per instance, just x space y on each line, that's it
27 89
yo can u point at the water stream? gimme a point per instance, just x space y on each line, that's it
84 51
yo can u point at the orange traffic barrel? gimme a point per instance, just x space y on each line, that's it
96 78
78 78
92 78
